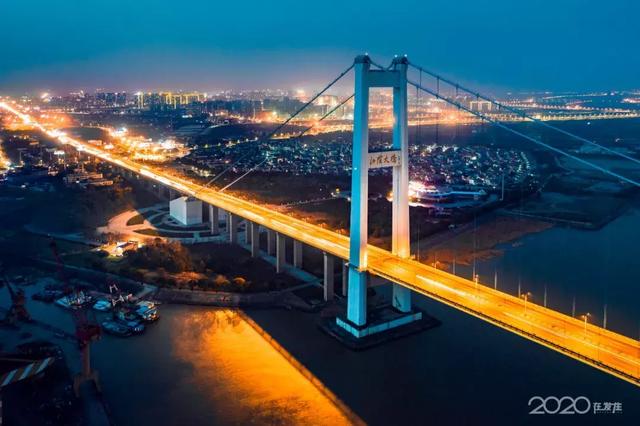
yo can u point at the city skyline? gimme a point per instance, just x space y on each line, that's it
142 46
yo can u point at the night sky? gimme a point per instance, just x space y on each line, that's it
207 45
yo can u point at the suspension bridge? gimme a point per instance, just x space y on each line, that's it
596 346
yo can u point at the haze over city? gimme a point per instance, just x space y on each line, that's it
203 45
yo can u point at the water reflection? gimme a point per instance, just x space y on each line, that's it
244 374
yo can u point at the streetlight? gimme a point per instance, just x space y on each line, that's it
526 297
585 317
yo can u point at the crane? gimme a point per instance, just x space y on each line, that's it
17 311
87 331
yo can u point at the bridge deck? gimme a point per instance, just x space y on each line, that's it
598 347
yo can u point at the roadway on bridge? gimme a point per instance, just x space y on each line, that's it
598 347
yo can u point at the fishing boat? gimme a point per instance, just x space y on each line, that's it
103 305
116 328
74 300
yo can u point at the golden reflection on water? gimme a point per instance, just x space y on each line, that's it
243 373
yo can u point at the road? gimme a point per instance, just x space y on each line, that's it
600 348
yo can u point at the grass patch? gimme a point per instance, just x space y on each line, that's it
136 220
149 231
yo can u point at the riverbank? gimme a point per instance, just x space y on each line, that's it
476 243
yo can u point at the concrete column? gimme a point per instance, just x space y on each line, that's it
328 277
357 296
255 239
345 277
225 216
233 228
400 244
271 242
357 291
247 232
214 220
297 254
360 166
280 252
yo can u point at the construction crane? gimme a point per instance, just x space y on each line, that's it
17 311
87 331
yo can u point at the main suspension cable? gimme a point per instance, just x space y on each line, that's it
525 136
252 169
326 115
523 114
284 123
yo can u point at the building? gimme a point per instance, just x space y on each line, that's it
481 106
186 210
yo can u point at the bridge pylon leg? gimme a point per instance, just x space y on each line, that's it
357 288
401 299
357 297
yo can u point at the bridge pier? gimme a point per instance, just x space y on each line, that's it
356 299
280 252
232 224
345 277
225 216
328 276
255 239
214 220
271 242
297 254
247 232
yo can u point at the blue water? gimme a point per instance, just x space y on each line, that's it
596 267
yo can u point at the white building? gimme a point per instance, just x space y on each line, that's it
186 210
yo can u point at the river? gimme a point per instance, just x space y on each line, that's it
598 268
206 366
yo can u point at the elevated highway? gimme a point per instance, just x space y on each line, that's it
600 348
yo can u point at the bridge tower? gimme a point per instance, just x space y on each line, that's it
398 158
